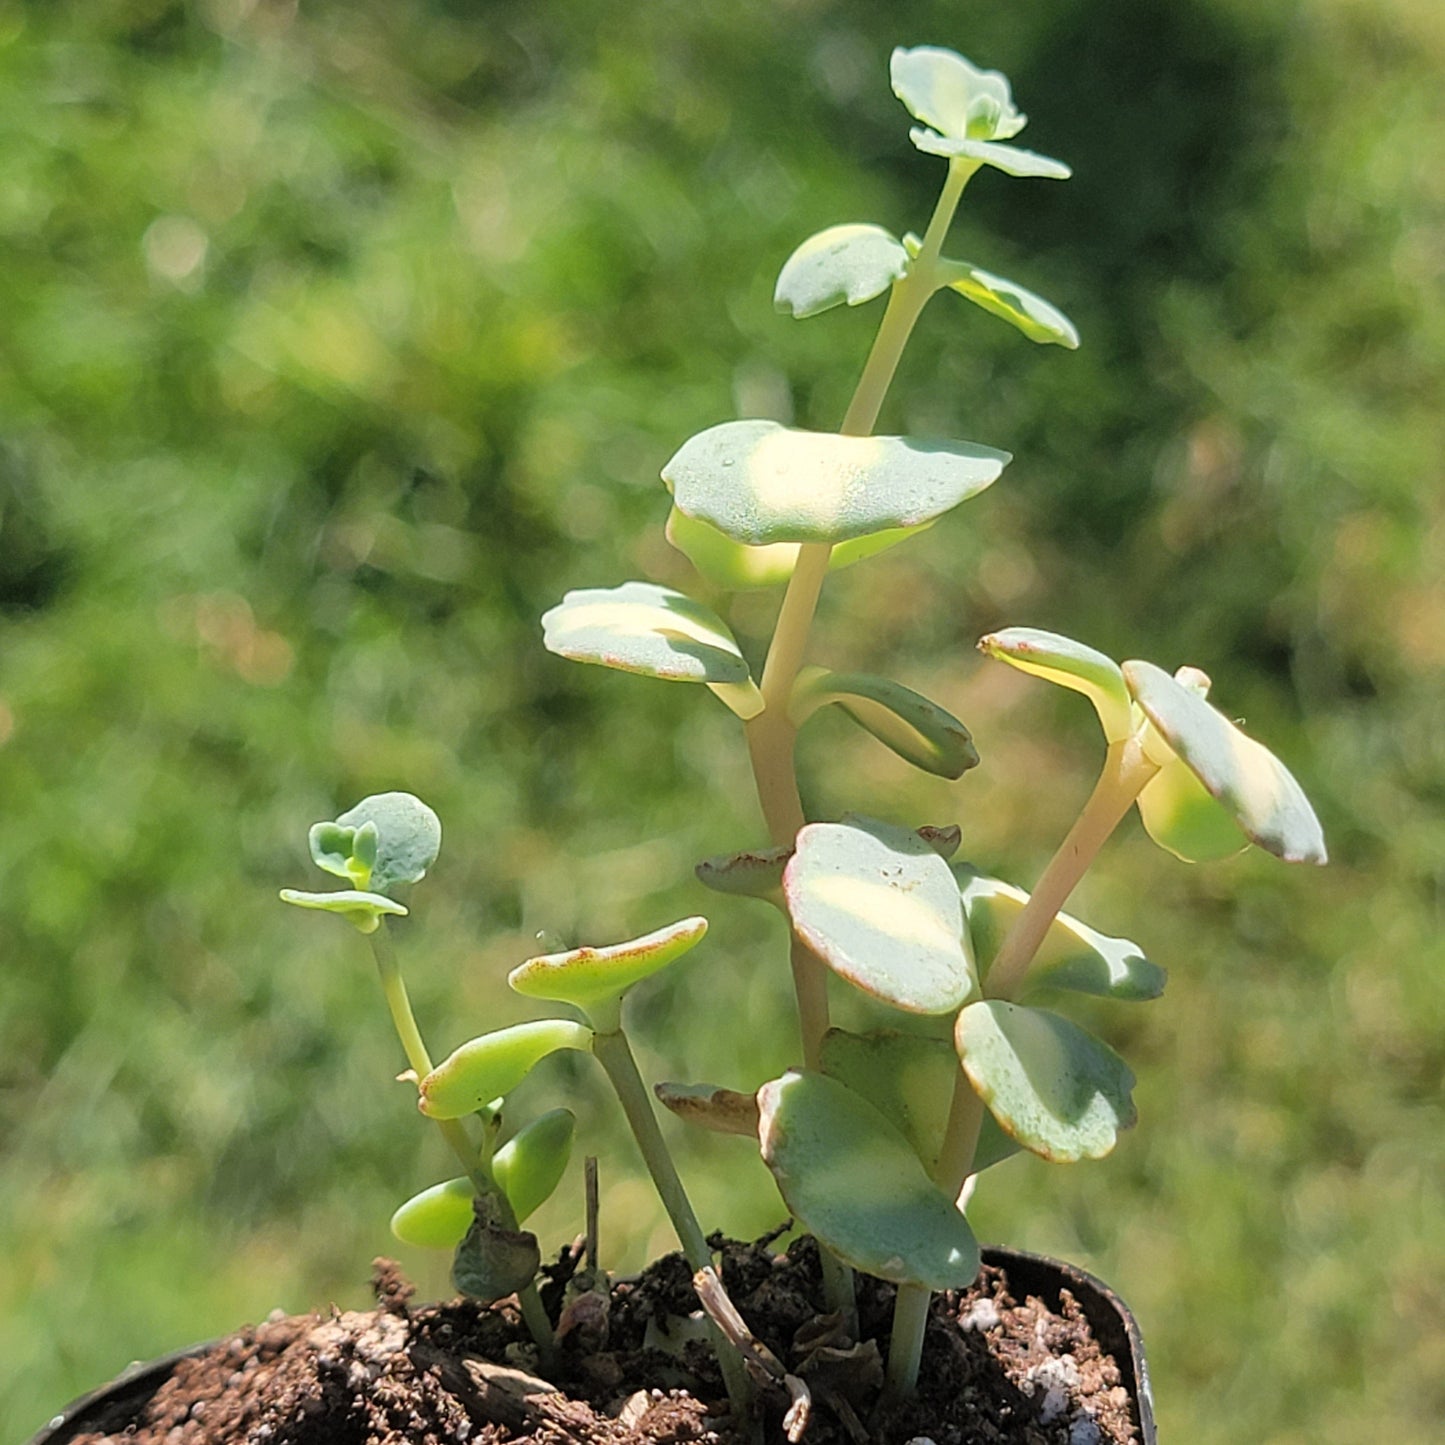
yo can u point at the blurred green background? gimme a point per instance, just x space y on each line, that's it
339 339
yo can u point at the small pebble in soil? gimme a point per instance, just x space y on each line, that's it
1056 1378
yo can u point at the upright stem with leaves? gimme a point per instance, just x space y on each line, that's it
771 734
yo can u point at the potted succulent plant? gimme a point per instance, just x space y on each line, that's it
876 1136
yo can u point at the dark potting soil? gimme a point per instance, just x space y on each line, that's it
632 1368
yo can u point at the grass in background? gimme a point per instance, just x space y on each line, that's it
340 342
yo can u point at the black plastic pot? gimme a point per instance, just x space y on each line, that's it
112 1406
1111 1320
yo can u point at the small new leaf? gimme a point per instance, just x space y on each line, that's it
966 112
395 836
844 265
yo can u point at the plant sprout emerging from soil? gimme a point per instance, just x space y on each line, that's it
874 1137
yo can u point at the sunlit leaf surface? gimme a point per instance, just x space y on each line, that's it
438 1217
844 265
1256 788
1069 664
759 482
880 907
1038 319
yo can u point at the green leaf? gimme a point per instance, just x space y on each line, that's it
349 853
1058 1090
491 1066
365 910
1035 317
755 874
493 1259
759 482
1248 780
724 1111
640 627
438 1217
1072 956
918 730
595 979
879 906
843 265
393 838
530 1165
1010 159
1181 816
856 1183
1070 664
910 1080
737 568
953 95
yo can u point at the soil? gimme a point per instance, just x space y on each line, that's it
634 1369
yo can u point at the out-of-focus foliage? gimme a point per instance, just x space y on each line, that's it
340 339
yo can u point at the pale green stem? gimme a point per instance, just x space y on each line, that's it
477 1168
1126 770
772 734
614 1053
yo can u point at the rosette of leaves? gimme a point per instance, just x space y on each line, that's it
386 842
